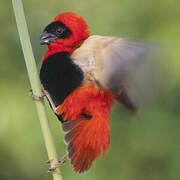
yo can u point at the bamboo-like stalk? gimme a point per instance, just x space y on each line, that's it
35 84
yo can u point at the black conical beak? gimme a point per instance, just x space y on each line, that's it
47 38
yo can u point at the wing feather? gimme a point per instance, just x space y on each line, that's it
119 65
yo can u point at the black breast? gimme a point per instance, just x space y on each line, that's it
60 76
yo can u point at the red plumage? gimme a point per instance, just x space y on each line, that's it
89 137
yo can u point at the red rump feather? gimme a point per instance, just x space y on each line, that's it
86 112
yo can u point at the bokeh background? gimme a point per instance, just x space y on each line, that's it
143 146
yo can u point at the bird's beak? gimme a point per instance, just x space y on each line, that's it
47 38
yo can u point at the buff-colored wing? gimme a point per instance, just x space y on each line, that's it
118 65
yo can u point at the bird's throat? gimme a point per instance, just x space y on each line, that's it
57 48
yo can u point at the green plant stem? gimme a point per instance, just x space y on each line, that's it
35 84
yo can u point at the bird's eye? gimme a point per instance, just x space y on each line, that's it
60 30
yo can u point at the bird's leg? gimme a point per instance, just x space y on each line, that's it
61 161
43 94
50 101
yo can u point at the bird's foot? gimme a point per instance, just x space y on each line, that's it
34 97
61 161
51 169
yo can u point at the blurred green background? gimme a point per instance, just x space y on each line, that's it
143 146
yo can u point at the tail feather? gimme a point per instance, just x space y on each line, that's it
87 139
86 123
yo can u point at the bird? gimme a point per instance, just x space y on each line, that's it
82 76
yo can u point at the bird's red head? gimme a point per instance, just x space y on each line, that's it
65 33
77 26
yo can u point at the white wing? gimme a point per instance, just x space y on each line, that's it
116 64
